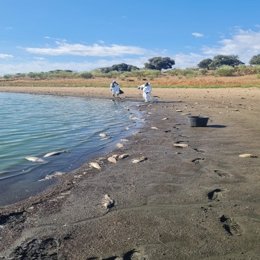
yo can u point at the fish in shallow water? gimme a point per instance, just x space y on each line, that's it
54 153
34 159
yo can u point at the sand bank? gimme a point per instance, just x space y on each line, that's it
195 202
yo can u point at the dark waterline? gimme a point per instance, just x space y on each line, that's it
21 180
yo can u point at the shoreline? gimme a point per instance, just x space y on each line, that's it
180 203
29 185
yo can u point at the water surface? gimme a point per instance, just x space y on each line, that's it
33 125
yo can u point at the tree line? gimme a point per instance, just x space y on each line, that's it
227 62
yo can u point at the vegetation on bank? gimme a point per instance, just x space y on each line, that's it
158 70
225 70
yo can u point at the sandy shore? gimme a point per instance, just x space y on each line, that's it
195 202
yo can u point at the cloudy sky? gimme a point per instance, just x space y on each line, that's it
82 35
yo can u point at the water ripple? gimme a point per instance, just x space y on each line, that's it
33 125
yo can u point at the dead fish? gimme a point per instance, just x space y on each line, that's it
133 118
123 156
34 159
107 202
124 140
138 160
95 165
54 153
165 118
103 135
178 110
180 145
119 145
154 128
112 159
247 155
51 176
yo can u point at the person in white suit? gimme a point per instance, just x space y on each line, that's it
147 91
115 89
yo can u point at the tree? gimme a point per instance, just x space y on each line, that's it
159 63
255 60
229 60
124 67
205 64
119 67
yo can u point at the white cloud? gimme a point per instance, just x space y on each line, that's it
44 65
188 60
4 56
197 35
245 44
95 50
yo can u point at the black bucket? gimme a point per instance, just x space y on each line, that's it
198 121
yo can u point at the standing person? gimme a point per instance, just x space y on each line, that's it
115 89
147 91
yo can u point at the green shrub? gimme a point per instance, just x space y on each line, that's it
203 72
225 71
86 75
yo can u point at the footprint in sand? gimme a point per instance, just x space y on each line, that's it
197 160
130 255
222 174
212 195
40 248
230 226
198 150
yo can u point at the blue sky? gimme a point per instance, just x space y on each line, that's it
82 35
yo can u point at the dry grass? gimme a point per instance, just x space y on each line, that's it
161 82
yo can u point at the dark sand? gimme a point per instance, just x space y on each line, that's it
196 202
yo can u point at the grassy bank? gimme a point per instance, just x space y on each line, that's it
164 81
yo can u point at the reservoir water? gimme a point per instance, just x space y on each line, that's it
34 125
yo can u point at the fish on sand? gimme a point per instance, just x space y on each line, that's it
95 165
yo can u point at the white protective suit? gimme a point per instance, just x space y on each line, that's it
115 88
147 92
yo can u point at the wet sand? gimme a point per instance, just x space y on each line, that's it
195 202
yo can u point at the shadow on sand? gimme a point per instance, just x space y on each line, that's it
217 126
